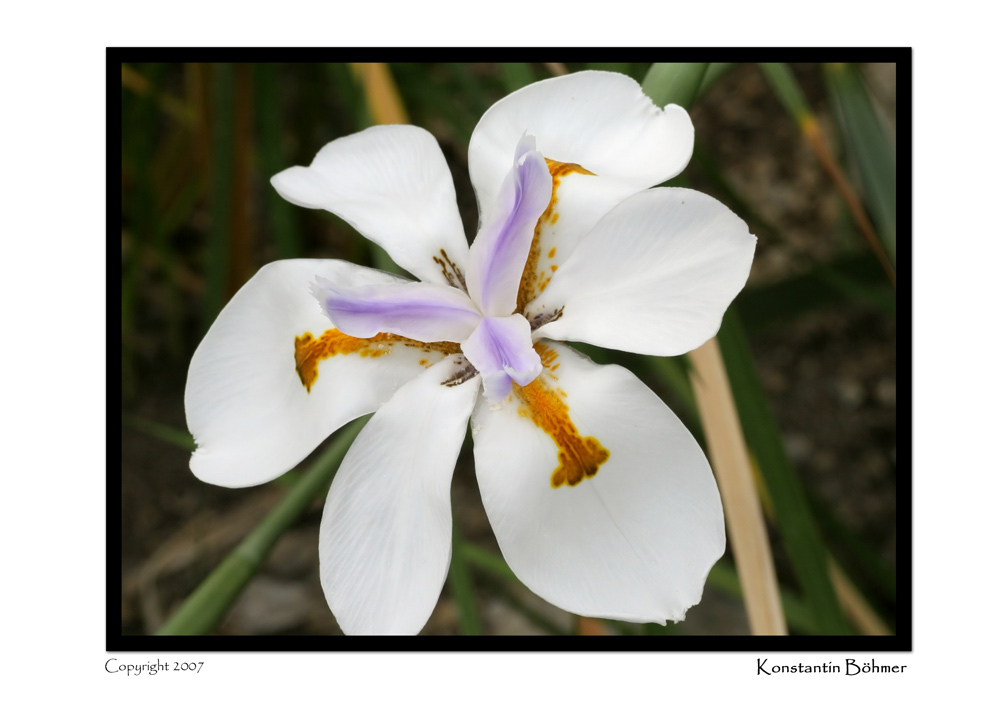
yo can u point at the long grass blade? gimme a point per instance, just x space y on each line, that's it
209 603
744 518
723 577
858 610
856 556
789 93
384 103
714 72
869 146
165 433
791 506
856 279
674 83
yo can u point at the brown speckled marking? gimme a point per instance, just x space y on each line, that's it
452 273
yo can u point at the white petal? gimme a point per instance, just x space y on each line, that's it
249 412
598 119
385 539
634 541
602 122
390 182
655 275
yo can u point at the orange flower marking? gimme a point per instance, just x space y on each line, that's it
531 282
579 457
547 354
309 351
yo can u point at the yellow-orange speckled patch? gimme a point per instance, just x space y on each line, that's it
579 457
532 282
309 351
547 354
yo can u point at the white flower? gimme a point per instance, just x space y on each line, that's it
600 499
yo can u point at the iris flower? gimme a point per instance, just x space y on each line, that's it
600 499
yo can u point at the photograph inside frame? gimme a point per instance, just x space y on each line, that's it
513 349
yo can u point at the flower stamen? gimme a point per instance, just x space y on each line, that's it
543 318
452 273
466 373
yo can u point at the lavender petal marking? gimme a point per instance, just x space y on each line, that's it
500 349
497 256
416 310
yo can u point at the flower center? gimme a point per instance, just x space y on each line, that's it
500 349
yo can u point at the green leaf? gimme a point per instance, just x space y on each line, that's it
516 75
787 88
874 296
656 630
166 433
853 279
713 73
489 562
594 353
869 146
674 83
209 603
